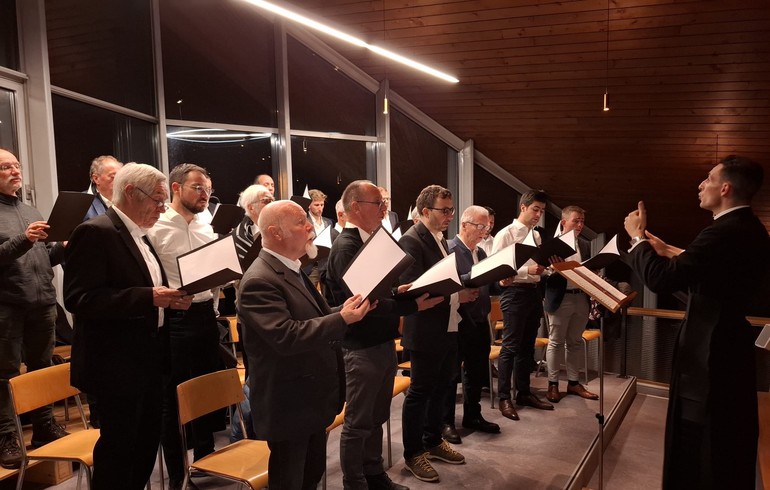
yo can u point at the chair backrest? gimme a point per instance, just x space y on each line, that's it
207 393
495 315
41 387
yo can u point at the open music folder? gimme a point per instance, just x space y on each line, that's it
226 217
503 263
561 246
376 267
593 285
606 256
440 280
209 266
68 212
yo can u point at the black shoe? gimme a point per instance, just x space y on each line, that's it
449 433
383 482
47 433
481 425
10 451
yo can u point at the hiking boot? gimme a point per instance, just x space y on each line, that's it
421 468
46 433
10 451
445 453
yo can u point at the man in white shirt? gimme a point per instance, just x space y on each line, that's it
193 334
487 242
522 309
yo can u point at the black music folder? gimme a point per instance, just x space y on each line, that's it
605 257
376 267
226 217
558 246
440 280
209 266
68 212
503 263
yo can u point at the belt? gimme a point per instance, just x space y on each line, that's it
573 291
525 284
203 305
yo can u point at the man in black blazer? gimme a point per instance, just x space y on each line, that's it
567 309
473 337
431 337
115 287
296 378
102 173
712 422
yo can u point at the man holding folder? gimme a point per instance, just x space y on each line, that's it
369 353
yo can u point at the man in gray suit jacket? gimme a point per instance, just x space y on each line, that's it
712 423
296 377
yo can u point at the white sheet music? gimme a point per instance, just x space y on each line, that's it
446 268
504 257
205 261
377 259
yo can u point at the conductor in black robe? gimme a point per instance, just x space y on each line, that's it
712 421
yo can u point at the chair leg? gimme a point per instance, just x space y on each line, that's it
491 388
585 356
390 450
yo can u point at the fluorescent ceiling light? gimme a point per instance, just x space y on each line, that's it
306 21
214 136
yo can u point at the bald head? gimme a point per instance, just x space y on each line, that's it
285 229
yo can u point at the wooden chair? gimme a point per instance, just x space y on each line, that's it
42 387
400 385
243 461
588 336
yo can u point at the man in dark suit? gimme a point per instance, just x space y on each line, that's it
296 377
431 337
712 422
390 215
473 336
115 287
102 173
567 309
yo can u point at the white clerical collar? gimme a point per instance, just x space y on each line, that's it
717 216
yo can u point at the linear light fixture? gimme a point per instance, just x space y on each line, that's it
313 24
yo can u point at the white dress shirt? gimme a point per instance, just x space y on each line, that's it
516 232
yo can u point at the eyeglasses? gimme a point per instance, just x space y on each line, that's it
158 202
478 226
377 203
200 189
8 166
444 211
266 200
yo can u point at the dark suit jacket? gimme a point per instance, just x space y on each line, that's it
556 284
474 312
108 288
425 330
381 325
294 372
712 415
393 218
97 207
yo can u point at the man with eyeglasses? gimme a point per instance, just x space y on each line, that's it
522 308
473 331
431 337
368 348
115 286
27 305
193 333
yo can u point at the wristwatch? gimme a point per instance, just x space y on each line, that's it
636 240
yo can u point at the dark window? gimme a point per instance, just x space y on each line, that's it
218 62
82 132
490 191
327 165
8 137
103 49
232 159
9 35
322 98
417 159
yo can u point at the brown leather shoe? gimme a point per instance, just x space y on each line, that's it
580 391
553 394
530 400
506 408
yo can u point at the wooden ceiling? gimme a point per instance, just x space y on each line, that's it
688 82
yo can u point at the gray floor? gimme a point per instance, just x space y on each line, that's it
540 451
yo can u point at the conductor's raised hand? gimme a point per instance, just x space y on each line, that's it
636 221
354 309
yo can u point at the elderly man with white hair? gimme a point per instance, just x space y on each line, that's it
115 287
252 200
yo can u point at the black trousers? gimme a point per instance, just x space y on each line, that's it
297 464
522 309
194 351
124 455
473 365
433 376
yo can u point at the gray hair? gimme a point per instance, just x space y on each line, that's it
252 194
472 211
353 193
140 175
98 163
339 208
